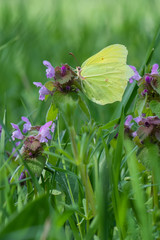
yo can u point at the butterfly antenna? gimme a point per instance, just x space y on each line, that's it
74 58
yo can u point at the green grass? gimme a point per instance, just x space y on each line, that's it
31 32
94 185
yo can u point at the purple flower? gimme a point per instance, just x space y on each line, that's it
68 88
50 71
144 92
136 75
27 126
137 119
43 90
44 132
13 150
148 79
22 176
155 69
134 134
154 120
149 127
128 121
63 71
17 133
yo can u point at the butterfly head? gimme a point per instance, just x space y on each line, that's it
79 69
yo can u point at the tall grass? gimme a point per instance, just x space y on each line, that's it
32 31
94 185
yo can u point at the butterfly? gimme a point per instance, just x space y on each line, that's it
105 75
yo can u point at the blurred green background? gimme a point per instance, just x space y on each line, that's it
32 31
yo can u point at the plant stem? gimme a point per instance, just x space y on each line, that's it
155 193
83 172
70 190
88 187
155 198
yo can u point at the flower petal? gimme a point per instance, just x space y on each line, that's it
128 121
38 84
136 75
44 132
27 126
155 69
43 90
16 134
50 71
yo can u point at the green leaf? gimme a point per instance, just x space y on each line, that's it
119 148
110 124
26 223
129 96
156 84
127 100
140 105
147 111
155 107
65 179
16 174
92 228
49 85
36 164
139 196
67 104
84 107
149 54
52 113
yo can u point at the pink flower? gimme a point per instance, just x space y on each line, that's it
137 119
63 71
13 150
44 132
128 121
50 71
43 90
27 126
17 133
155 69
136 75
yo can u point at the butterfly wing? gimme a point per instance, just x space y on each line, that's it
112 53
105 75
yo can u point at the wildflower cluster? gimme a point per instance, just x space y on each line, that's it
146 127
63 80
33 138
149 84
143 129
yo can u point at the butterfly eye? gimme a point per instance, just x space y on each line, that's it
79 68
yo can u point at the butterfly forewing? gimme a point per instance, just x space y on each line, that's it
110 54
102 69
105 75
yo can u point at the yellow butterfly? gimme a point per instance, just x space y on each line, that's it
104 76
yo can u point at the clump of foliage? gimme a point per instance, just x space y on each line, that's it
89 182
